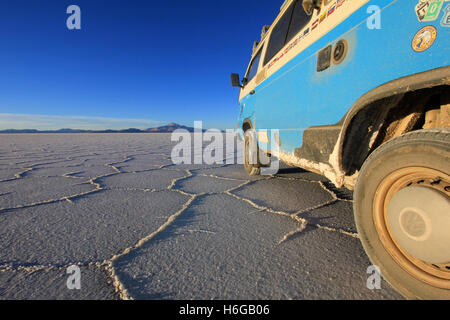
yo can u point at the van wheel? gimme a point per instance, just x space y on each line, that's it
251 151
402 213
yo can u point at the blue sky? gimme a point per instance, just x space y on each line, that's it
145 62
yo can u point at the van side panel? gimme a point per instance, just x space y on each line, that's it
297 97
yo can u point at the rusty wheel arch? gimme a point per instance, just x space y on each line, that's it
390 110
246 125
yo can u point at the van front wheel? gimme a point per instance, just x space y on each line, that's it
251 154
402 213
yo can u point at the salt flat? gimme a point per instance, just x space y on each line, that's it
140 227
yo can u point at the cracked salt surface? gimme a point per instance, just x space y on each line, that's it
286 195
52 283
206 184
140 227
147 180
92 228
25 192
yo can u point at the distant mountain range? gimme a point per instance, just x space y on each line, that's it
171 127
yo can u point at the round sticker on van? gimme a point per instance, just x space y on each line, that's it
424 38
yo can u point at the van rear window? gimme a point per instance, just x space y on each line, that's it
278 36
299 20
292 22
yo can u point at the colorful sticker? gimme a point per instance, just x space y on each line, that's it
424 39
428 10
315 24
332 9
445 22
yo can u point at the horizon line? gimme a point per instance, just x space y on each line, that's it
40 122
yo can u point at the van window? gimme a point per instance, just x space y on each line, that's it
253 70
298 21
278 36
293 20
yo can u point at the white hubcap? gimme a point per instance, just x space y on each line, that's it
419 221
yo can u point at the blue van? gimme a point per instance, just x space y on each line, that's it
358 91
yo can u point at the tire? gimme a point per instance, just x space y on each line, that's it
405 185
251 154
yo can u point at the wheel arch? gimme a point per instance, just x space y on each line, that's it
247 124
404 101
